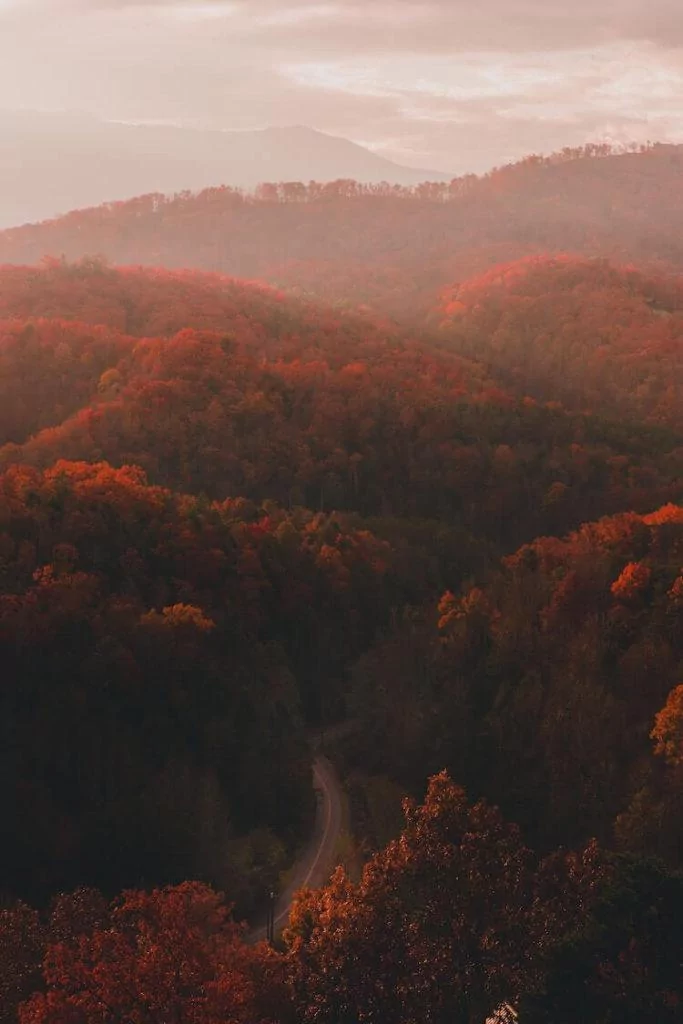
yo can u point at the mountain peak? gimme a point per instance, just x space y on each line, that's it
99 161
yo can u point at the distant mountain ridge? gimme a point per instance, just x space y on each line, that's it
53 163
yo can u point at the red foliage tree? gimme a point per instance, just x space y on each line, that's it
170 956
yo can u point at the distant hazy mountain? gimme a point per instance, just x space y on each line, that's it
53 163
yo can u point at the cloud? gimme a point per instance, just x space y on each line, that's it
455 84
438 25
415 25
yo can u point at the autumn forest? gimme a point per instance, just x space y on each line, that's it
392 476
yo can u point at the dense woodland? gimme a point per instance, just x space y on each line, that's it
446 528
306 406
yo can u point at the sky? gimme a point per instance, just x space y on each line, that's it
448 85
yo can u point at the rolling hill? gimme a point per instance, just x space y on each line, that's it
391 248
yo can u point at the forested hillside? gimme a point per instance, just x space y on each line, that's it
541 689
591 335
390 247
296 403
442 537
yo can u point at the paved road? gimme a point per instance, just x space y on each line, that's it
316 863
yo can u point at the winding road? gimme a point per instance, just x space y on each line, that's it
315 864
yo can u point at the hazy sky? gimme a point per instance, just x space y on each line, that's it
452 85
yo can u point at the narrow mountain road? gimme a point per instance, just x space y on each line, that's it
317 861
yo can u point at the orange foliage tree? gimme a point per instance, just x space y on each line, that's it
443 925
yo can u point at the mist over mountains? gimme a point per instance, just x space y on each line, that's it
53 163
390 248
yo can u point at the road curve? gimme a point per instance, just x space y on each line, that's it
315 864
